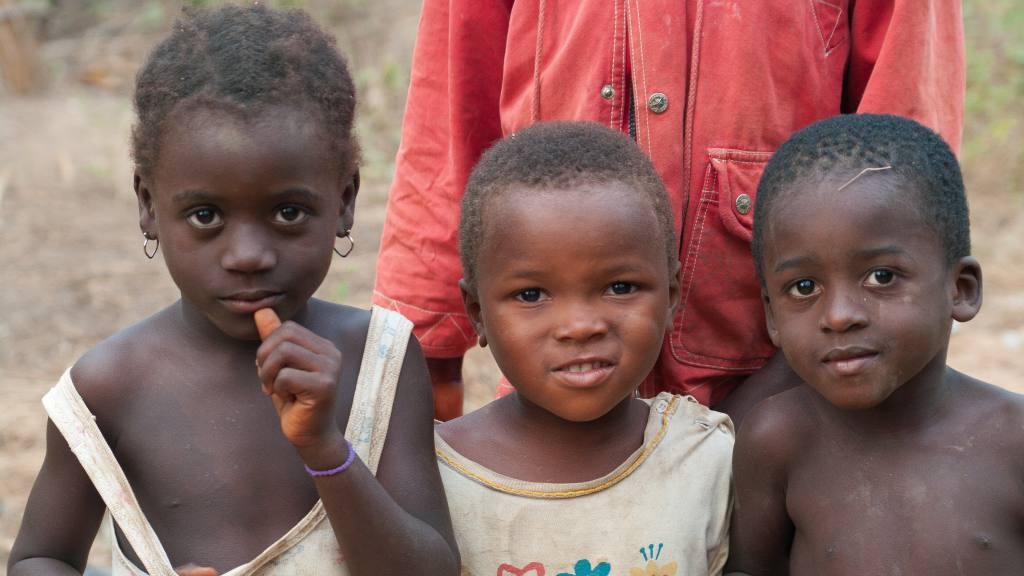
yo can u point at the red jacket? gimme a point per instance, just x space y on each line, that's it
717 86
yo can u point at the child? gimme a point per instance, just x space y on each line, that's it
888 461
246 171
571 278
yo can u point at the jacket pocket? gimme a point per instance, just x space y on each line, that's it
721 320
832 22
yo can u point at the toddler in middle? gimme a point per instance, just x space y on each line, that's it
571 277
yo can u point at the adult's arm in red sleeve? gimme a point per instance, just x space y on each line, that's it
907 58
451 117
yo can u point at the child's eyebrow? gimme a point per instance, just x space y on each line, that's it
523 273
303 194
624 268
793 262
192 197
893 249
202 196
865 254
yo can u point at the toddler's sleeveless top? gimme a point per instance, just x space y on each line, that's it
663 511
310 547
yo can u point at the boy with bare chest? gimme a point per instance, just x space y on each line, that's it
887 461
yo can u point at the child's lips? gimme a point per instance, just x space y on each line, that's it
584 373
850 360
250 301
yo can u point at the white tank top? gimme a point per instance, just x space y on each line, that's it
663 512
310 547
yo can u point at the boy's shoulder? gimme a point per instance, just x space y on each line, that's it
784 425
990 410
988 396
787 413
779 427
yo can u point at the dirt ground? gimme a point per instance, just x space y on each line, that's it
70 249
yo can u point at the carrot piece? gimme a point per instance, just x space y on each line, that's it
266 322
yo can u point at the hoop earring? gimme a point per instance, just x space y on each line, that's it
145 246
351 244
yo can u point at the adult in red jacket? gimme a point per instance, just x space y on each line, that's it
708 88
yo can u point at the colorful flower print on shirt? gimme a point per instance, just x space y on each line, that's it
583 568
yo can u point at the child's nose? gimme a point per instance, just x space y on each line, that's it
249 249
844 310
580 322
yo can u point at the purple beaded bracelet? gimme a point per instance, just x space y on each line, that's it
344 465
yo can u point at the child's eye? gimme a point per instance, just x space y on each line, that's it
803 288
204 218
880 277
530 295
622 288
290 215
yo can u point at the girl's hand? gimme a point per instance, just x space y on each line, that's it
300 372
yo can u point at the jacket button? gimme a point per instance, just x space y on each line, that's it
657 103
607 91
743 204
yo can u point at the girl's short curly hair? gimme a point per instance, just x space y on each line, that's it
243 59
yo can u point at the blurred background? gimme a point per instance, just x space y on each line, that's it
71 262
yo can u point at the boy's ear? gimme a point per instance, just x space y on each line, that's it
472 303
966 287
769 319
147 218
347 216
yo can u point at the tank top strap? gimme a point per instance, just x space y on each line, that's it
77 424
373 399
383 356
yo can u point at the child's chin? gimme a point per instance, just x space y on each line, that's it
583 411
855 400
240 330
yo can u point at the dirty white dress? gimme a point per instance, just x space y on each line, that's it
662 512
310 547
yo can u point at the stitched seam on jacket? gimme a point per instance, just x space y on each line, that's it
615 49
817 24
634 83
622 72
643 64
535 111
707 195
394 301
839 18
691 103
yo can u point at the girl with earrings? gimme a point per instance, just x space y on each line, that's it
214 451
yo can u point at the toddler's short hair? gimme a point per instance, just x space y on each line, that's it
243 59
559 156
853 142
